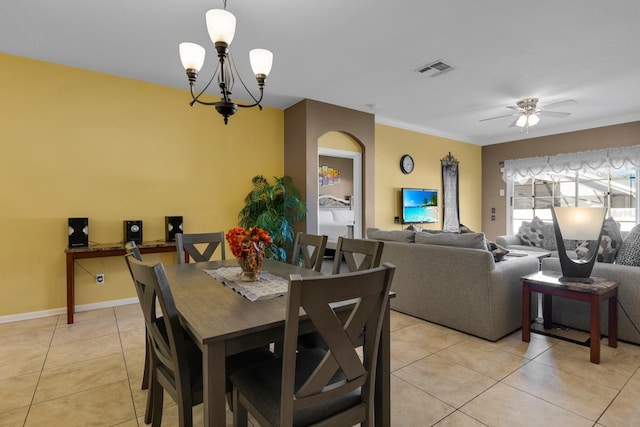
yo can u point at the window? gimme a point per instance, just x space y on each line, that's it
615 189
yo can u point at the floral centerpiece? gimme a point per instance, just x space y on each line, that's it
248 246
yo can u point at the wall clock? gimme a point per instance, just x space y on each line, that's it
406 164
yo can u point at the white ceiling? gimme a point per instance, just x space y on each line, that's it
357 53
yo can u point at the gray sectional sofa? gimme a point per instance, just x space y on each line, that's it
458 287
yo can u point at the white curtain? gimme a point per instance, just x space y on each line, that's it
520 170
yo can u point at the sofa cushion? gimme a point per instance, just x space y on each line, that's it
610 242
629 253
406 236
466 240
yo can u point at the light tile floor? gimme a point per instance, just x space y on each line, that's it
89 374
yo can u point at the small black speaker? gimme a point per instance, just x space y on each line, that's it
172 225
133 231
78 232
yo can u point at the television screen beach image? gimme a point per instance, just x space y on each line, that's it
419 205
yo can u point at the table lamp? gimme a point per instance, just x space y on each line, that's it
578 223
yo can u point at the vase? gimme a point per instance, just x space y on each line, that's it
252 264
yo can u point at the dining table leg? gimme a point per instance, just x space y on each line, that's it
383 375
213 374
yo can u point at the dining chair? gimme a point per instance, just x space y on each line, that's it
358 254
188 242
310 248
176 360
132 250
321 386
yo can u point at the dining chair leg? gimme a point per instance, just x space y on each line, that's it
147 366
156 395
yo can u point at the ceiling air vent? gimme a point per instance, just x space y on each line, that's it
434 69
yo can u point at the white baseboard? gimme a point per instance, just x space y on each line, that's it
63 310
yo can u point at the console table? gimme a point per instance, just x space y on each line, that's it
105 250
549 284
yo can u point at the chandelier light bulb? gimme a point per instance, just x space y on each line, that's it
221 25
522 121
533 119
261 61
192 56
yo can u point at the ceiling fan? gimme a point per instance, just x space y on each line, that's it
528 113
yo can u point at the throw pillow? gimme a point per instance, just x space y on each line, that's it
498 251
532 233
610 242
405 236
465 229
467 240
629 253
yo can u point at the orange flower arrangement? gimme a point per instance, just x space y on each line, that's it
248 246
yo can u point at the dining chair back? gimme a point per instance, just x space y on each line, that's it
176 361
191 243
358 254
132 250
310 248
332 385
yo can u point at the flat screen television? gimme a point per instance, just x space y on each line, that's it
419 206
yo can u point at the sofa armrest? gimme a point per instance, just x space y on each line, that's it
508 240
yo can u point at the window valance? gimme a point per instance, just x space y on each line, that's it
520 170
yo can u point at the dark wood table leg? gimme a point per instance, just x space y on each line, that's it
613 320
71 303
213 374
547 309
595 329
526 312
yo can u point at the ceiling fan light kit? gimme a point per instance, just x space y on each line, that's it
221 26
528 113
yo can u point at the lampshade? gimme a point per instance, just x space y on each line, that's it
221 25
261 61
533 119
580 223
192 56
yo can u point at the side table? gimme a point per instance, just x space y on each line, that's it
549 284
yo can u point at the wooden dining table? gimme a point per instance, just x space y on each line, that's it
222 323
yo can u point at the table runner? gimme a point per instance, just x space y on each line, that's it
267 286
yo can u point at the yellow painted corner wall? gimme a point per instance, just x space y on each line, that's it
77 143
427 150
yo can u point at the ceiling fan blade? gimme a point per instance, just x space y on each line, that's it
500 117
514 122
514 107
555 104
556 114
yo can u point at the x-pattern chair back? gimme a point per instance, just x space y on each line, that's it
358 254
166 335
188 242
311 247
364 295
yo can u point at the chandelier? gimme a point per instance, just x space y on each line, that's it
221 26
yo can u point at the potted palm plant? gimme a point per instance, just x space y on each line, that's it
274 207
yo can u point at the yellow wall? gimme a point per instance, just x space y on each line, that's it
426 150
78 143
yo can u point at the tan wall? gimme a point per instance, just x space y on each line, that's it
79 143
426 150
592 139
